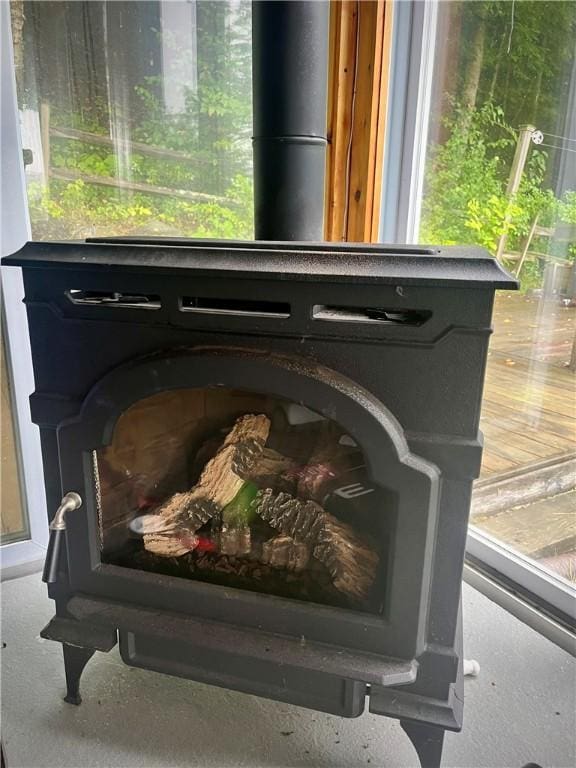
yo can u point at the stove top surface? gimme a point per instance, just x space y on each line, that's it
332 262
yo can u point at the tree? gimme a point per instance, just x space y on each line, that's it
517 55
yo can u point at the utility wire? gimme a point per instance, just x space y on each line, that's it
553 146
555 136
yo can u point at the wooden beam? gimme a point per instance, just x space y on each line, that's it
343 30
132 146
360 49
68 174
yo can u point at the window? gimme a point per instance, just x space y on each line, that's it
500 172
136 117
122 134
14 521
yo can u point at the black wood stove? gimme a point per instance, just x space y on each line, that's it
262 456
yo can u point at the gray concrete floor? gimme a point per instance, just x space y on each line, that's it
520 709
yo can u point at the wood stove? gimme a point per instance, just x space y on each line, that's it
266 452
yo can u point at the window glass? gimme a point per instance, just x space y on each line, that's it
501 173
14 520
136 117
246 490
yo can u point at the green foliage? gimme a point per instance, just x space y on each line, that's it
567 208
489 219
465 191
209 127
531 276
77 209
464 198
194 100
519 57
527 54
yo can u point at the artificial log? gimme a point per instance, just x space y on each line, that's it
221 479
350 561
302 520
206 451
308 443
285 552
308 482
270 468
234 541
224 491
330 458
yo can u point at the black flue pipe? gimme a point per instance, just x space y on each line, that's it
290 83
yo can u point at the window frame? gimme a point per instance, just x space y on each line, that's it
358 96
521 573
411 77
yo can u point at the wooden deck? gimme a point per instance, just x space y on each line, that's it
524 497
529 408
544 530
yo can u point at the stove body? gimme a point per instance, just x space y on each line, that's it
387 343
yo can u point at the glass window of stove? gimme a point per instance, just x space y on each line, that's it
244 490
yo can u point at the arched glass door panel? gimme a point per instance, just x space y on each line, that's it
245 490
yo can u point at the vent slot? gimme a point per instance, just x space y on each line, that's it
113 299
236 307
378 315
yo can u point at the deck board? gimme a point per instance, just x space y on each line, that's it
529 407
544 525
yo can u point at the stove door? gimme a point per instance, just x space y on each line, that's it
259 490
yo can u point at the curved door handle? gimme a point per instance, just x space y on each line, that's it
69 503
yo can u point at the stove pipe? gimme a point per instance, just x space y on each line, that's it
290 76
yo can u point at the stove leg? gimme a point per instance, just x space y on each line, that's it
427 741
75 659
